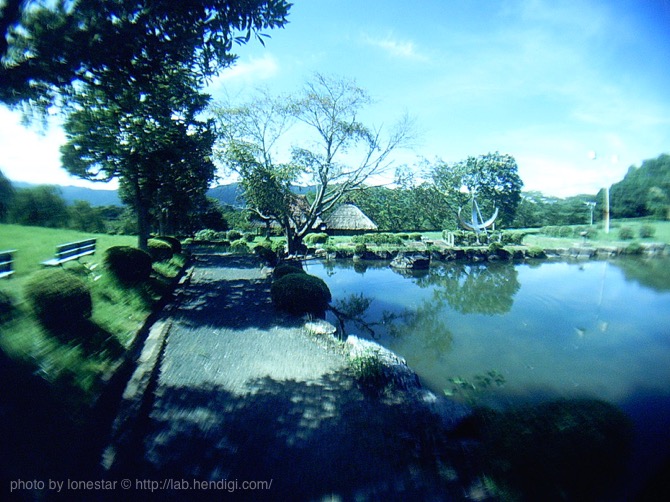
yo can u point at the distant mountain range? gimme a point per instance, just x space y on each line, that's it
225 194
71 194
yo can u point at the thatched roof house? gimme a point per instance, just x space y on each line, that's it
348 219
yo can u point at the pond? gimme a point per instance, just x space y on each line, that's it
503 334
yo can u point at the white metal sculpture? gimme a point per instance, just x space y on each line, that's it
477 224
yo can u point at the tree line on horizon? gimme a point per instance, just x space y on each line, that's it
409 206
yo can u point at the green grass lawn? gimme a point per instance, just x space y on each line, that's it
661 235
118 311
34 245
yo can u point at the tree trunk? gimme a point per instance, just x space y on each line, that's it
294 242
142 212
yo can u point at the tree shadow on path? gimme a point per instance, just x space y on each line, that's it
229 292
312 439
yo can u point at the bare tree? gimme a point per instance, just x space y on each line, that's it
331 151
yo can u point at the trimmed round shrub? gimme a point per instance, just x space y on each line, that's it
360 249
174 243
239 246
159 250
513 237
234 235
285 269
634 248
6 305
565 232
313 239
279 246
626 233
128 264
58 297
206 234
300 294
647 231
249 238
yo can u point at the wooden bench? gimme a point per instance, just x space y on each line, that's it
71 251
7 263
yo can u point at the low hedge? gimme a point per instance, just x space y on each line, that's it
379 239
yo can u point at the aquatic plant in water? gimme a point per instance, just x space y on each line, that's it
470 390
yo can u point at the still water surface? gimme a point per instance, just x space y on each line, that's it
598 329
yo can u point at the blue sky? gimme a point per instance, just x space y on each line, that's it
544 81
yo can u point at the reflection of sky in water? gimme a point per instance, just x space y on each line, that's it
554 329
573 329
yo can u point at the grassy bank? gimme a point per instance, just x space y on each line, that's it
661 234
118 311
49 405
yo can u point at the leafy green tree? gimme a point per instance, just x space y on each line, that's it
6 195
493 178
644 191
337 152
538 210
658 203
419 208
129 74
151 141
48 49
41 206
85 217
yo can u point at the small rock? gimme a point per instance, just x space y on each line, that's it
320 327
412 261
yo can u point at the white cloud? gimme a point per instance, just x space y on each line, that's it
246 71
32 155
28 155
397 48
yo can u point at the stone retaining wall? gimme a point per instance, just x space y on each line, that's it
480 254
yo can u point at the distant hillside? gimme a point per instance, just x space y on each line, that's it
231 194
71 194
227 195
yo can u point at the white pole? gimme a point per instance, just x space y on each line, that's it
607 210
615 158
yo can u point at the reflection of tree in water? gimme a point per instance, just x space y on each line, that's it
652 272
359 266
429 324
474 288
426 322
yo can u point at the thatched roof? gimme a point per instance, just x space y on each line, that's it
349 217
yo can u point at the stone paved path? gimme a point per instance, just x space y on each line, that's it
246 394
